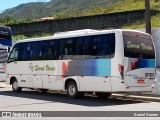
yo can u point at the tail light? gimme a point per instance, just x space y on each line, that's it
121 70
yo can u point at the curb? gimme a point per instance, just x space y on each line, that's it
137 97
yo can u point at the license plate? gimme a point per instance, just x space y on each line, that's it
140 81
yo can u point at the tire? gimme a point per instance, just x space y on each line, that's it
15 87
72 91
102 94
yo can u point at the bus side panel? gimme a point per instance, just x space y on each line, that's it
96 72
46 74
26 80
89 83
117 61
52 82
22 72
87 67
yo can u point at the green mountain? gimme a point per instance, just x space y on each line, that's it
45 9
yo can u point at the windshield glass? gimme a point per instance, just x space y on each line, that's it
138 45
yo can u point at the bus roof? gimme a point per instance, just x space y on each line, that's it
76 33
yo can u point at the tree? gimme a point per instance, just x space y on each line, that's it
29 20
7 20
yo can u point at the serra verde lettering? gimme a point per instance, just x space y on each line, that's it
138 46
41 68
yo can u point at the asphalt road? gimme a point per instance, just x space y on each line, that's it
31 100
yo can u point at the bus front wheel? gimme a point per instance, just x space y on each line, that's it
15 87
72 90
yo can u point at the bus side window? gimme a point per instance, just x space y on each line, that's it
28 51
67 49
79 45
86 47
106 46
51 51
38 51
94 45
99 46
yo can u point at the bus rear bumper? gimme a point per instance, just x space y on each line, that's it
134 89
122 87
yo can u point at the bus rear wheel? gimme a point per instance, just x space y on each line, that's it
72 90
102 94
15 87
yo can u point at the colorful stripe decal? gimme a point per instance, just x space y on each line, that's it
88 67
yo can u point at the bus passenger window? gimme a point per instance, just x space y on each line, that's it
28 51
51 50
67 49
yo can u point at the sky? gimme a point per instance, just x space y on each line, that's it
6 4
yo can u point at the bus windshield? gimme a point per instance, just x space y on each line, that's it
138 45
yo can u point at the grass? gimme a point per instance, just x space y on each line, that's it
121 6
22 37
129 5
125 5
155 22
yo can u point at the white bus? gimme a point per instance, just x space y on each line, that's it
82 61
